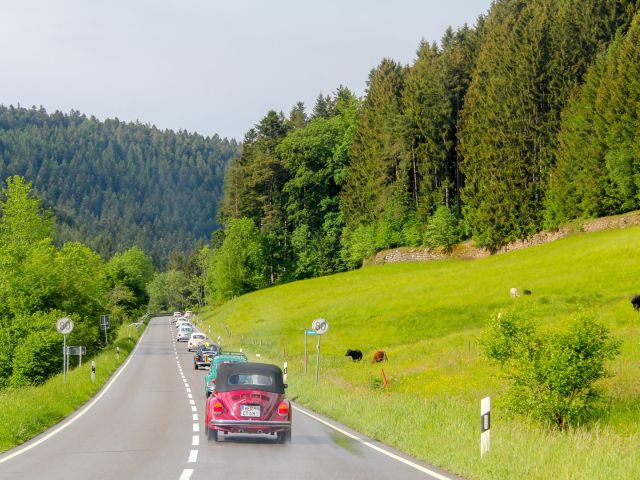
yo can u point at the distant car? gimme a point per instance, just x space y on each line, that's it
176 316
188 314
216 361
204 353
184 333
195 340
181 321
249 398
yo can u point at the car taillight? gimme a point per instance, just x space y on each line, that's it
217 408
283 409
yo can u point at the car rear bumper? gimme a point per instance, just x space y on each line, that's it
248 426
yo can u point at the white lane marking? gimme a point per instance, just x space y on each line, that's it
195 441
375 447
196 427
191 402
81 412
195 417
186 474
188 390
193 456
194 408
189 395
186 384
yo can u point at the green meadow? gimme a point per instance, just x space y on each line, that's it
25 412
428 318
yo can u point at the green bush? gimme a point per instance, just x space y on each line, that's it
553 376
442 229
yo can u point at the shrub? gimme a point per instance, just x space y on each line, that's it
553 377
442 229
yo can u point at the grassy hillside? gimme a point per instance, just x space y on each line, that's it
428 317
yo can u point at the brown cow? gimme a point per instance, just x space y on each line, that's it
379 356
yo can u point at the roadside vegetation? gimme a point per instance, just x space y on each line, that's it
25 412
430 319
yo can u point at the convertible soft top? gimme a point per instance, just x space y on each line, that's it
249 376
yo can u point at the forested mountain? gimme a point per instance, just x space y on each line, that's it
113 184
527 119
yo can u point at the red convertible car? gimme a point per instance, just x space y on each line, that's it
249 398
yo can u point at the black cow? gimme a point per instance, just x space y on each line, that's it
526 292
635 301
356 355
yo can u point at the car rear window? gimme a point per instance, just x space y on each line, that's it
242 379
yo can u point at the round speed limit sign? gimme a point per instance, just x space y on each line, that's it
64 325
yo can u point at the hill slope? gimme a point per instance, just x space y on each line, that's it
116 184
427 317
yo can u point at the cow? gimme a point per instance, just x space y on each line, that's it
379 356
526 292
514 292
356 355
635 301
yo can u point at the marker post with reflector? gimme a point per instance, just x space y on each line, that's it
485 425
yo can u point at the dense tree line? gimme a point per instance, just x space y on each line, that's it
527 119
40 283
112 184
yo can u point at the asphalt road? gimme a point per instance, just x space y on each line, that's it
148 424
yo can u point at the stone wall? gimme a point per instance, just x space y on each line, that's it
468 250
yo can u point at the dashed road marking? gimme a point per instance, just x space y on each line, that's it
196 427
186 474
191 402
194 408
195 417
189 395
195 441
193 456
188 390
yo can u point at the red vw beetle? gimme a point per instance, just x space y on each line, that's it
249 398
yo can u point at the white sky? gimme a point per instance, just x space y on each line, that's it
205 65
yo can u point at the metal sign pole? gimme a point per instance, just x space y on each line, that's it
306 357
80 358
64 359
106 341
318 358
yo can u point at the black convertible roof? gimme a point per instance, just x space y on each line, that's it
227 370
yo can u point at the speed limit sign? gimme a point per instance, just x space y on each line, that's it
64 325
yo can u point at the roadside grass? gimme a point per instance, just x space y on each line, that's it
28 411
428 317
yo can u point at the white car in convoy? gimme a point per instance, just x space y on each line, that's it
181 321
195 340
184 333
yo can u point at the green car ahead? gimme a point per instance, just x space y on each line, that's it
224 357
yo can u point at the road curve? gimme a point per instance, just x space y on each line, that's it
149 425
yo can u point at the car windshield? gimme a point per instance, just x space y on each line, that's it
246 379
198 337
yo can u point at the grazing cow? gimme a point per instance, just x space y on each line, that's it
635 301
379 356
356 355
526 292
514 292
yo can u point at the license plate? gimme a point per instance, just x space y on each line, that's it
250 410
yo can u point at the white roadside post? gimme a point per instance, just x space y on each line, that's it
93 371
485 425
65 327
118 353
284 371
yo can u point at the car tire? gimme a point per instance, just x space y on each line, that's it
195 366
284 437
212 434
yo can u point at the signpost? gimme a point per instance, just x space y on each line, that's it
105 325
65 327
306 356
79 351
485 425
320 326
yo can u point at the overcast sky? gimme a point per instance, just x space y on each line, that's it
208 66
